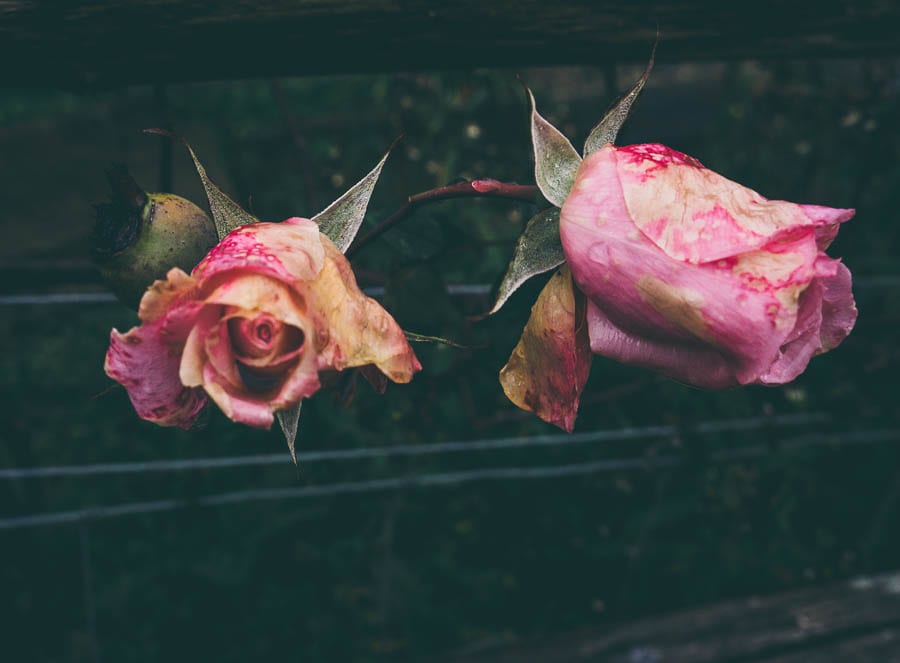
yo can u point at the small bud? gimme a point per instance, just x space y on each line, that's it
140 236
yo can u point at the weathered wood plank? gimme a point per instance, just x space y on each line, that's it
100 43
855 621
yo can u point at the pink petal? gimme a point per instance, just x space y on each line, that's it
237 406
803 342
838 308
146 360
827 315
696 215
289 251
683 360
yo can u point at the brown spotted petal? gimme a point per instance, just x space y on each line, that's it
145 360
549 367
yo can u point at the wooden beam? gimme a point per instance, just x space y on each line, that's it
98 43
857 621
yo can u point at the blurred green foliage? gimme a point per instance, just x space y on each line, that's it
411 573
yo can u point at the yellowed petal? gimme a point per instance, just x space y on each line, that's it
548 368
255 292
162 294
359 330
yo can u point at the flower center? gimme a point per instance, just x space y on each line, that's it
256 337
265 349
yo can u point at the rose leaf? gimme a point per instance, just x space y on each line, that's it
340 221
538 250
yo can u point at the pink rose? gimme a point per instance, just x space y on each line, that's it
269 308
698 277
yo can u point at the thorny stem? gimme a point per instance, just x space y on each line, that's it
482 188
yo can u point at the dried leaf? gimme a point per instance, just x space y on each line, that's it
555 160
340 221
289 420
227 214
538 250
608 128
548 368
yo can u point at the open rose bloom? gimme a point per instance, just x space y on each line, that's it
271 307
700 278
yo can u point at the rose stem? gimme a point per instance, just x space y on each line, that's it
484 188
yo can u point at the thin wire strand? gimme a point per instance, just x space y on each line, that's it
453 289
620 434
832 440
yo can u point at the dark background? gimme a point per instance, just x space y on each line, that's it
415 572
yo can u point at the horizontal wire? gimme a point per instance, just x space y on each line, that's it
644 432
832 440
453 289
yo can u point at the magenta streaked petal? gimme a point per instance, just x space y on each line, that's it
289 251
696 215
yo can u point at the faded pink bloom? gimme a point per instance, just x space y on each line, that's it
269 308
700 278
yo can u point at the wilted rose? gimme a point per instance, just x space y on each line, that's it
252 327
698 277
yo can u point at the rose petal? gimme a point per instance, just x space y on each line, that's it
802 343
548 368
250 294
359 330
162 294
289 251
694 214
838 307
193 356
237 406
145 361
686 361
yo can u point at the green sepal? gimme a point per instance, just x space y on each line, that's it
538 250
227 214
340 221
608 128
555 160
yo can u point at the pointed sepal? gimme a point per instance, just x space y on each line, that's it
538 250
340 221
555 160
548 368
227 214
608 128
289 419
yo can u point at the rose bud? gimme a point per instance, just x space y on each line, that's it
139 236
268 310
700 278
